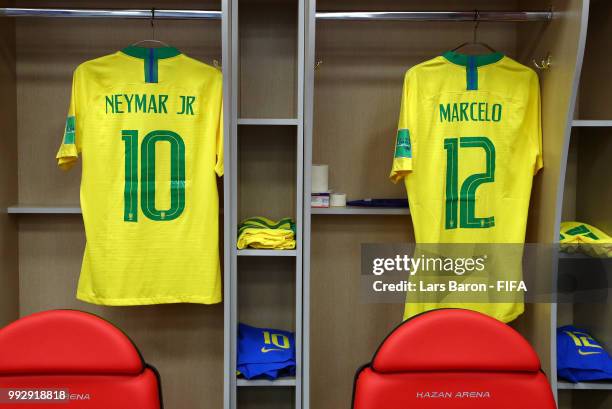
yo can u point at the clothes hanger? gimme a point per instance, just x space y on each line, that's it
475 37
153 40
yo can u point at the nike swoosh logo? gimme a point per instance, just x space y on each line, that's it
583 353
266 350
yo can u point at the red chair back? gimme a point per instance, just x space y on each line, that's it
76 356
453 359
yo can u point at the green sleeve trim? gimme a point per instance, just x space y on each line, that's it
69 132
403 147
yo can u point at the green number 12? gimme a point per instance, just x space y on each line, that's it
147 173
464 201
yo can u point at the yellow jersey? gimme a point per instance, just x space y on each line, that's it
469 142
148 124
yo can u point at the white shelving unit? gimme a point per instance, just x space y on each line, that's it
584 385
581 123
39 209
268 121
356 210
245 130
267 253
585 154
266 383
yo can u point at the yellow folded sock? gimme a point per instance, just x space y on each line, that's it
263 233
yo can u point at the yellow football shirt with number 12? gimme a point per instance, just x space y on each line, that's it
147 123
468 144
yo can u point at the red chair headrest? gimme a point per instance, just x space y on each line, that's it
454 340
66 342
456 359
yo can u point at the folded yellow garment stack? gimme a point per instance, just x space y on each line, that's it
263 233
584 238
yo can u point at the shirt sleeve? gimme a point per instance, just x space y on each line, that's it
219 163
68 152
533 121
403 154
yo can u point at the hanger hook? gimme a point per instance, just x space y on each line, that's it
545 63
476 23
153 22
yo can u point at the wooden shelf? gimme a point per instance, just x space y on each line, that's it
267 121
585 385
267 253
579 123
289 381
357 210
34 209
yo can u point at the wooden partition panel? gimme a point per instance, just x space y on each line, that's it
48 52
265 398
593 198
595 84
345 331
592 400
266 294
571 178
185 342
266 171
565 400
594 192
356 107
9 272
359 84
268 59
560 39
356 104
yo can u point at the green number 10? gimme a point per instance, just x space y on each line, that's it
464 201
147 173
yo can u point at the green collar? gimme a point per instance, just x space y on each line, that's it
463 59
143 52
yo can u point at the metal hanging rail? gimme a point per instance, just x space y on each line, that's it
160 14
474 15
511 16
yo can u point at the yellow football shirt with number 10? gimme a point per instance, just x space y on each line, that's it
147 123
468 144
